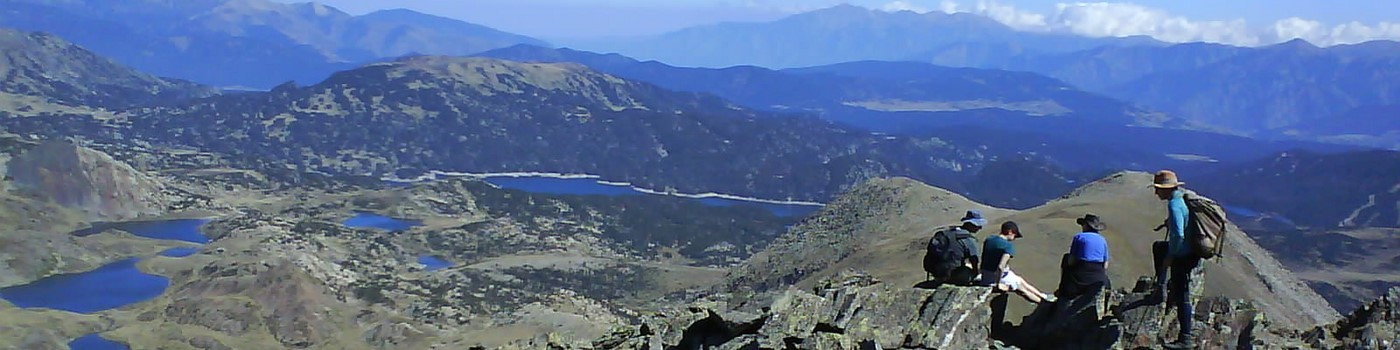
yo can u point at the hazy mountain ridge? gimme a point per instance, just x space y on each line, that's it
55 72
1274 86
1245 90
254 43
478 115
1215 87
843 33
1371 126
835 90
1315 190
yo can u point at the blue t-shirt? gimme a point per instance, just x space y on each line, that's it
1176 224
993 248
1090 247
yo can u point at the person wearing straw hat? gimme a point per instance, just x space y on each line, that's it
1174 256
1085 268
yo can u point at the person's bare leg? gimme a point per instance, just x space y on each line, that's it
1026 287
1030 294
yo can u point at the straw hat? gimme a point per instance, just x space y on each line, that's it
1166 179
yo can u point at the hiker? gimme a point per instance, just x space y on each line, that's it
1175 256
951 256
997 252
1085 268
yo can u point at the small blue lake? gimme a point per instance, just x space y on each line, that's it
108 287
179 230
1251 213
179 252
1241 211
95 342
433 263
380 222
584 186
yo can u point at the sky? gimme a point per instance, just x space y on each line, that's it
1239 22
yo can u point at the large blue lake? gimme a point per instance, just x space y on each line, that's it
108 287
95 342
113 285
585 186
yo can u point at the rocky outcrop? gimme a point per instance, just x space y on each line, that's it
1373 326
87 180
851 311
855 311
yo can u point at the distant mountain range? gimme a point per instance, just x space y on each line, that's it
847 33
846 88
247 43
1005 114
1247 90
1251 91
45 74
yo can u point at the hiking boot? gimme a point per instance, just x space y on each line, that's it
1184 342
1154 298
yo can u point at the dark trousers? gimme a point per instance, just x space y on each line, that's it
1178 285
1079 278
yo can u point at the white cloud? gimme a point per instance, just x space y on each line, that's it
901 5
1117 19
1356 32
1122 19
1294 28
1010 15
948 6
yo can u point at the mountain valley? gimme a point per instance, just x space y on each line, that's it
257 174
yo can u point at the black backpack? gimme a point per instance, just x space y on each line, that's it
946 252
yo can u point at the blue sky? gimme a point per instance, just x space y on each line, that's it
1245 22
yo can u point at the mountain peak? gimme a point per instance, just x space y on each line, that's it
1296 44
842 12
480 77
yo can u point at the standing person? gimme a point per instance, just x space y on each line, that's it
997 252
1085 268
1178 257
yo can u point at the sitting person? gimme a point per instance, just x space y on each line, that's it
1085 268
952 256
997 252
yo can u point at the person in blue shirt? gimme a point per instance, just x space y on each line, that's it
1085 268
1174 255
997 252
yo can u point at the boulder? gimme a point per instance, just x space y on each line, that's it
87 180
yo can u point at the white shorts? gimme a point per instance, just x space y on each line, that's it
1008 278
